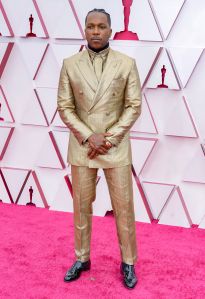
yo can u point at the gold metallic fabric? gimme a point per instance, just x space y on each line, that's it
98 67
119 182
103 54
87 106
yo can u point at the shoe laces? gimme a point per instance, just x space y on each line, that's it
73 267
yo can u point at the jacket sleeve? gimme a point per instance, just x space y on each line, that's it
132 107
67 110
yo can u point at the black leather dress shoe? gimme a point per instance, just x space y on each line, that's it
75 271
129 277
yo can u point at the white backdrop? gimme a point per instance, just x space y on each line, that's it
168 139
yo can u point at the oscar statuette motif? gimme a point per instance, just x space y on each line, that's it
31 197
163 72
1 118
31 34
126 34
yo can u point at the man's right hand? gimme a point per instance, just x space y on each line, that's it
98 141
98 145
92 153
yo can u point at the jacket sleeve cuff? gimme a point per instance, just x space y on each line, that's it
86 138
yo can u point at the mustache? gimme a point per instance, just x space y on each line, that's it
96 38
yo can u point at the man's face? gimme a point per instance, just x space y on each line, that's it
97 30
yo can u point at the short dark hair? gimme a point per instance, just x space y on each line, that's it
101 10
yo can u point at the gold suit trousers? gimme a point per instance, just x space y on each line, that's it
119 182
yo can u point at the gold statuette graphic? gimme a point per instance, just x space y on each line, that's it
31 34
31 197
163 72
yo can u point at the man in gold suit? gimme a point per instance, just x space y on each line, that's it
99 99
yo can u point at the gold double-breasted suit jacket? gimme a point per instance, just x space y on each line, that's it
87 107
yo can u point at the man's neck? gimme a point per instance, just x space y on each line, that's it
98 50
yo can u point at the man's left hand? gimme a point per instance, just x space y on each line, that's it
92 153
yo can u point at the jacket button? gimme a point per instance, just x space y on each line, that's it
88 112
80 92
107 113
114 94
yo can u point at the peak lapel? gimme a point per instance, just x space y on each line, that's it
112 65
86 69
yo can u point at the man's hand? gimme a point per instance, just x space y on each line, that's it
98 142
92 153
98 145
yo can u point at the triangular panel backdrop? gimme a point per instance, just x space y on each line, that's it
168 140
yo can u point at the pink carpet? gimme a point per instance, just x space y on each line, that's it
36 248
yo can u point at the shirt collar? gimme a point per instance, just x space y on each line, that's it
103 53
